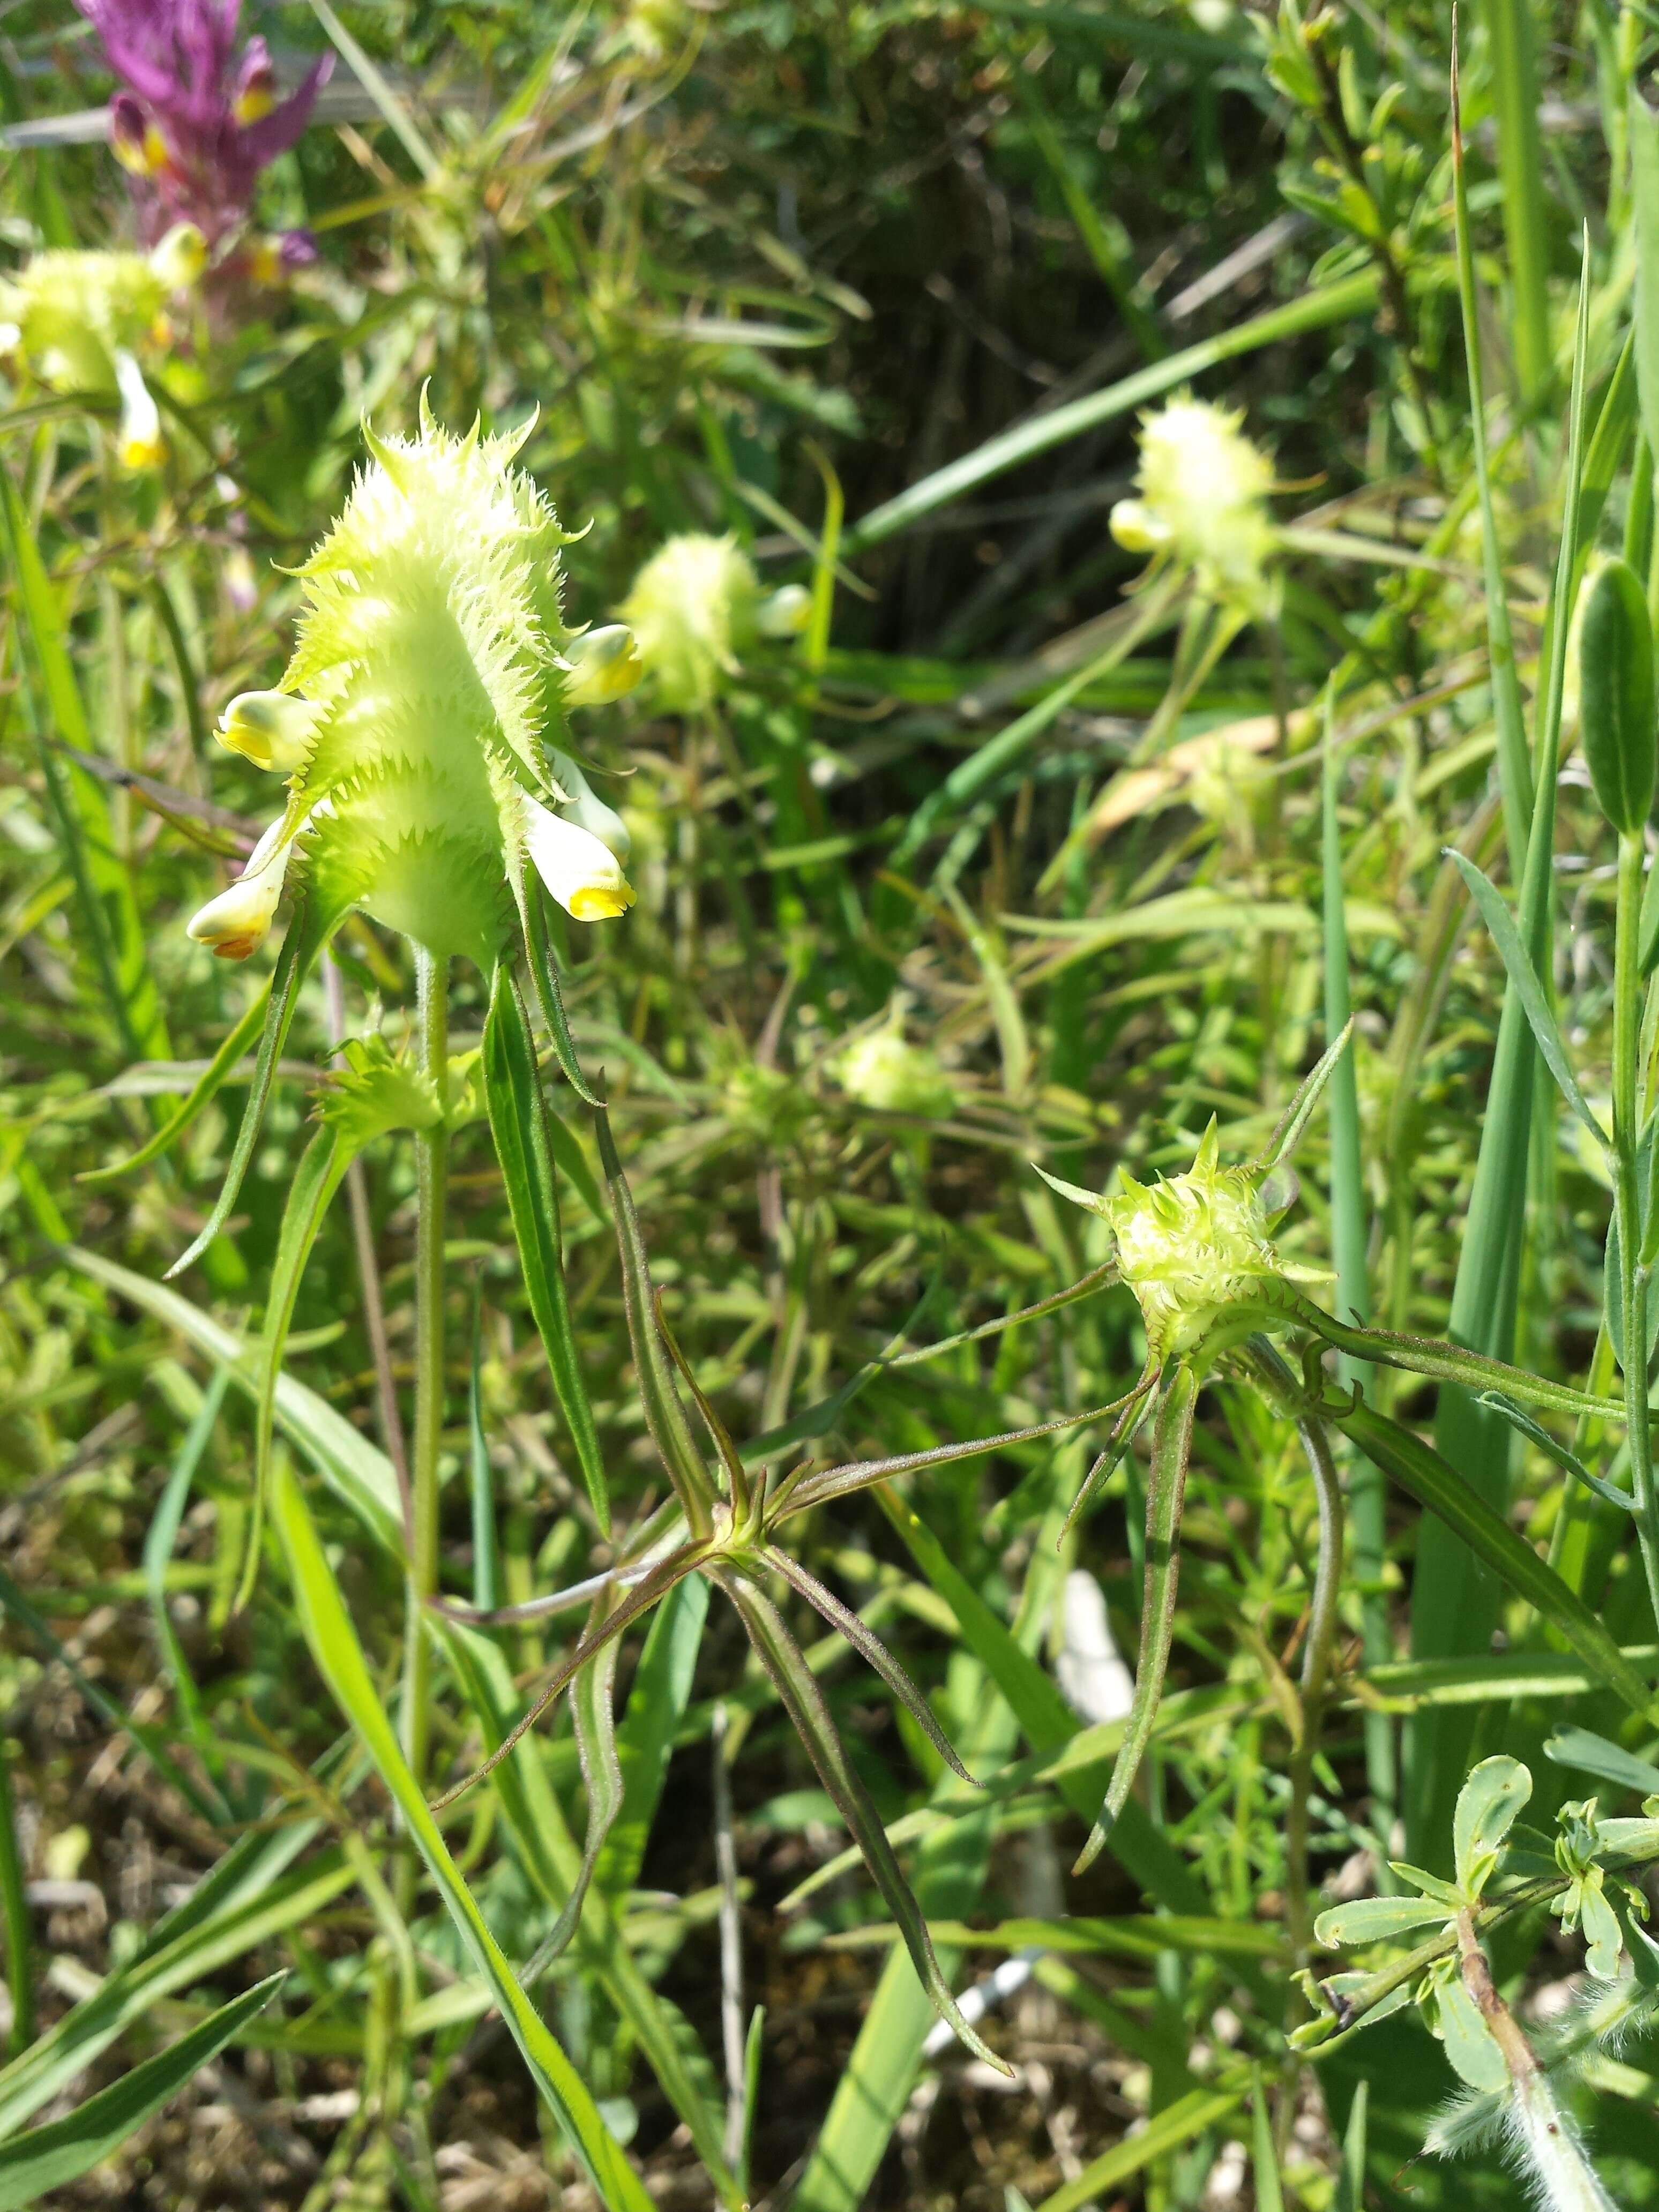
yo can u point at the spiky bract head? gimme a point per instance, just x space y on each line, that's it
1203 499
414 716
693 609
1191 1247
883 1070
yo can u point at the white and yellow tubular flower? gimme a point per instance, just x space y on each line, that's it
418 720
1203 493
139 443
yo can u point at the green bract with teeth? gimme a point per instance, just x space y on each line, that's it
1194 1248
414 720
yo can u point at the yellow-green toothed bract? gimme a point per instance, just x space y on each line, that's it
1192 1247
418 718
695 609
76 322
1203 501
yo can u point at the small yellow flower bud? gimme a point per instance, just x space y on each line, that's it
787 613
139 444
1137 529
237 923
179 258
583 875
604 664
270 729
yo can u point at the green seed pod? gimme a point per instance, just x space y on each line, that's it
1616 690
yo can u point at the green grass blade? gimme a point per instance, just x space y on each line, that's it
358 1472
158 1553
1165 2131
513 1093
948 1872
1521 169
552 1862
319 1176
213 1079
248 1899
1644 176
657 1701
1264 2159
1452 1612
17 1917
1514 766
1350 1216
101 879
1341 302
47 2158
339 1657
1425 1475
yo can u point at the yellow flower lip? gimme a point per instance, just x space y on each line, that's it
601 903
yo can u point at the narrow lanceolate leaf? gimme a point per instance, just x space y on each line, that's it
1165 2131
1616 696
870 1647
665 1415
321 1169
1309 1092
513 1094
48 2158
1420 1469
1449 1363
1610 1762
1536 1433
593 1716
303 942
1523 979
207 1087
803 1701
1166 1488
333 1642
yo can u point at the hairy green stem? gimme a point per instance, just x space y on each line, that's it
1632 1270
431 1174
